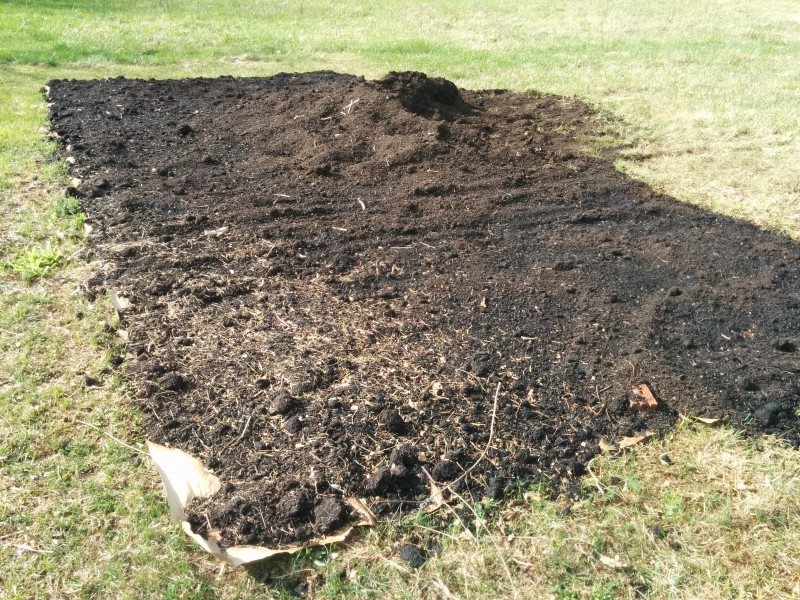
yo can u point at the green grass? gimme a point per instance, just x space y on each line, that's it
35 263
726 512
708 90
703 97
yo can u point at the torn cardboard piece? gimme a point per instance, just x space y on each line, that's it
119 303
242 555
185 478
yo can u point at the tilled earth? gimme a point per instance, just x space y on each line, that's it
343 287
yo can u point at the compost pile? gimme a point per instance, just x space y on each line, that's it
342 287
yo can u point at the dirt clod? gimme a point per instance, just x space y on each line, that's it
282 403
674 292
293 505
768 414
404 455
293 424
445 470
413 555
392 421
785 346
747 385
495 488
378 483
329 514
419 93
172 382
324 170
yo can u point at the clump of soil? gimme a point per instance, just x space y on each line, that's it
334 282
421 94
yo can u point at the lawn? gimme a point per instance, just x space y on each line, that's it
703 99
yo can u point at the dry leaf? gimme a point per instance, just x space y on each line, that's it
436 500
627 442
606 447
707 420
367 518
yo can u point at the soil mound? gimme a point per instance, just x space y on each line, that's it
341 287
419 93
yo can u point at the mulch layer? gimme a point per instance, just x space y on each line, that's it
343 287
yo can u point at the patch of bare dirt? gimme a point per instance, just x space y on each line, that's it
330 278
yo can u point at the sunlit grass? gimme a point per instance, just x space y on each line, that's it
720 521
703 100
34 263
708 90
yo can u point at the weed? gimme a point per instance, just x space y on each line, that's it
35 263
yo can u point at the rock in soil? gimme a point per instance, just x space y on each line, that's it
388 252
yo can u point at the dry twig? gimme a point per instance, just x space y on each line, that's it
111 437
488 443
